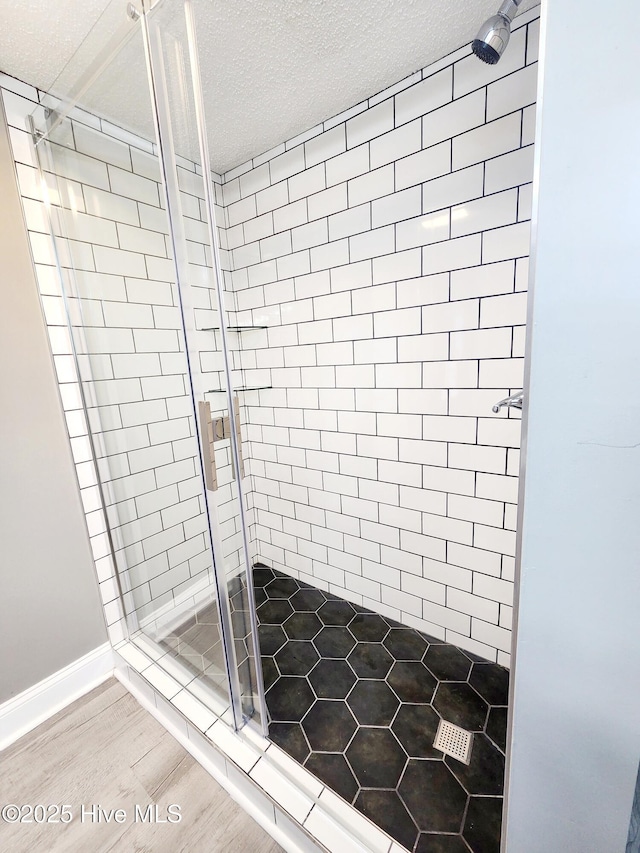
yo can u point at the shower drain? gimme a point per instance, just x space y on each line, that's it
454 741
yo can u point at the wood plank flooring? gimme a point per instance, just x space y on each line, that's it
106 750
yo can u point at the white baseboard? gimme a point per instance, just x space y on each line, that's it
36 704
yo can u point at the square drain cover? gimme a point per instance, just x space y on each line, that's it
454 741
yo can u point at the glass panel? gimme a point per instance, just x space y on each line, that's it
215 375
135 225
118 267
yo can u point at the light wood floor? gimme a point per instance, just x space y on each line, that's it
105 749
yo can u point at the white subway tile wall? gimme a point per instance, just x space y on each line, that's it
386 252
131 357
400 233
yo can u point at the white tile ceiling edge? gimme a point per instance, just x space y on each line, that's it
271 69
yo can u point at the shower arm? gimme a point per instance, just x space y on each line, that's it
509 8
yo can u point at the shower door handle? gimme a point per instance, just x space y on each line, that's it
208 437
213 430
236 418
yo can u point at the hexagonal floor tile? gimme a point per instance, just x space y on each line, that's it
369 627
274 611
412 681
196 663
282 588
331 596
208 615
290 737
262 575
496 727
492 682
272 638
387 810
406 787
239 601
370 660
376 758
302 626
483 824
332 769
447 663
336 613
334 642
297 657
242 651
332 679
405 644
240 623
289 699
433 796
197 637
172 641
215 655
329 725
373 703
460 704
485 773
434 843
270 673
415 726
307 600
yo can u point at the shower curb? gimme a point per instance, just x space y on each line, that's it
303 816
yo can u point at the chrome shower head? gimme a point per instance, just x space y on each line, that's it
493 37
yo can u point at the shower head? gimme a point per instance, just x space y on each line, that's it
493 37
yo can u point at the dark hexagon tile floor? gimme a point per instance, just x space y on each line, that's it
356 698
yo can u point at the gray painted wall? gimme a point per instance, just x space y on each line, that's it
576 734
50 611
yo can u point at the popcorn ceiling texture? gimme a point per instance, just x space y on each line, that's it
271 69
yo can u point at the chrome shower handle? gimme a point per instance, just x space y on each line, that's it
208 437
513 402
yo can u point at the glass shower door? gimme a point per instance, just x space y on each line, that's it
139 291
216 380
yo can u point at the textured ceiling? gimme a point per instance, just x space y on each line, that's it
271 68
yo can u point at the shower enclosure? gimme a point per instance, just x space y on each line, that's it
136 248
280 385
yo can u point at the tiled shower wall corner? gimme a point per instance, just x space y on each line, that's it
130 346
388 250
